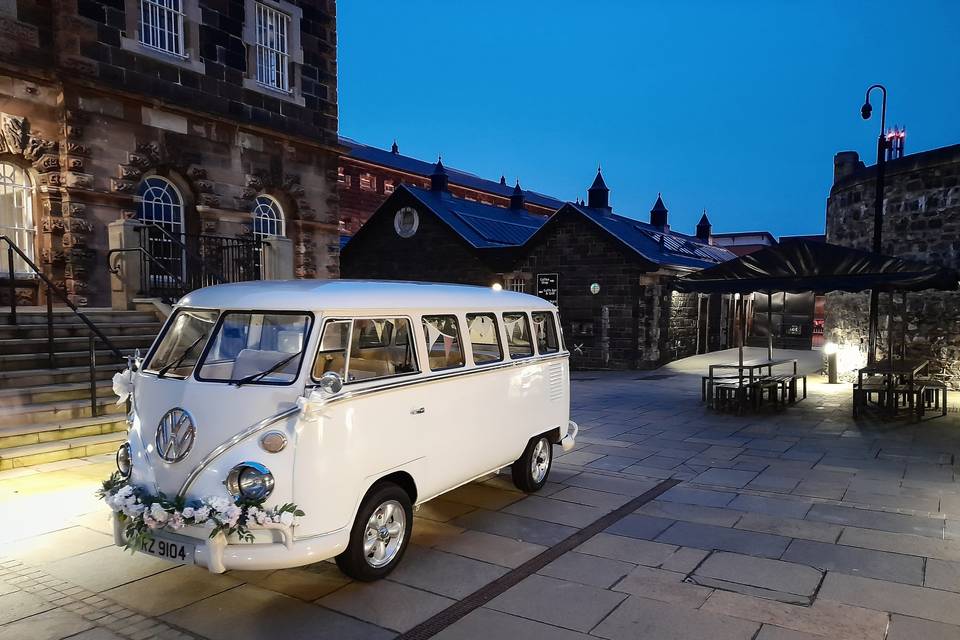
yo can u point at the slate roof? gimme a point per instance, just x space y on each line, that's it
400 162
484 226
651 243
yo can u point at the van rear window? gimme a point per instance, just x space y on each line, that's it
545 330
518 334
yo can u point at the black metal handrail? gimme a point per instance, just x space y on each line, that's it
172 266
217 275
115 270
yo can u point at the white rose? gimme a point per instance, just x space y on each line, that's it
176 521
286 518
188 512
262 517
158 513
200 515
231 515
219 505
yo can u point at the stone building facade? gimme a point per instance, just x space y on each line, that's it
206 117
921 223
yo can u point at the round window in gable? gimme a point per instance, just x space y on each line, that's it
406 222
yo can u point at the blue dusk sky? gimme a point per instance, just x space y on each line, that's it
732 107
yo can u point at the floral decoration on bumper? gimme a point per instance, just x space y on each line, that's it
141 513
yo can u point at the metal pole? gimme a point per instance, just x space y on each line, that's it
13 287
50 327
769 326
877 221
93 376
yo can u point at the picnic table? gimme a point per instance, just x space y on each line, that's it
748 374
898 378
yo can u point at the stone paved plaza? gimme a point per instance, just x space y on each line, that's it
787 525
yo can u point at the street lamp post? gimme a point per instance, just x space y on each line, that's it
865 111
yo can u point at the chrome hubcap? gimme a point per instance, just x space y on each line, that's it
540 461
384 534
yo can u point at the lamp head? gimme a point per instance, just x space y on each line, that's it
866 110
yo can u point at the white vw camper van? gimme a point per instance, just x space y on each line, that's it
277 424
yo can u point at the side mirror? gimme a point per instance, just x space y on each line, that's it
331 383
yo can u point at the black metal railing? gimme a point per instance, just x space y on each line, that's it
52 290
173 265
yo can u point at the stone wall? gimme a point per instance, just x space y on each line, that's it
921 222
628 324
682 325
90 116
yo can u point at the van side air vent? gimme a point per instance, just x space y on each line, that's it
555 380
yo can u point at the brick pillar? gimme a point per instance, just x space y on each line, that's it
125 283
277 260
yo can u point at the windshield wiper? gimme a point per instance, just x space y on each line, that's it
253 377
176 363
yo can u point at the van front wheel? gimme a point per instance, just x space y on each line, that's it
530 471
379 535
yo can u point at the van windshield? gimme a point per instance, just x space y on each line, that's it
256 348
182 343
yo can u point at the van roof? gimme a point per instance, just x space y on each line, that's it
309 295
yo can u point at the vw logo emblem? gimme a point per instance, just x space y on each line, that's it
175 435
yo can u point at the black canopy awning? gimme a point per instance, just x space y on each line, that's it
803 265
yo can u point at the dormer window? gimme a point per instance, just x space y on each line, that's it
161 26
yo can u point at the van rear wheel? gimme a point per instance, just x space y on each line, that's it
380 534
531 469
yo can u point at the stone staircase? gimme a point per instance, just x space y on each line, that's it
46 414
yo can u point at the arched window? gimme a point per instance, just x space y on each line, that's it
161 208
267 218
16 213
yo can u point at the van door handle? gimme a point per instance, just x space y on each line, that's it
418 411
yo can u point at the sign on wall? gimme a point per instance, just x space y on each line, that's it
547 286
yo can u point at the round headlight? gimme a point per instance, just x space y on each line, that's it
250 480
273 442
124 463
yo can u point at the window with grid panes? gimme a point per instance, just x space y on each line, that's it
273 48
161 25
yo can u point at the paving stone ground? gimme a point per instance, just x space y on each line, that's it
787 525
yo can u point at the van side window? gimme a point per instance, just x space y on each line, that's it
545 330
332 354
380 348
444 349
365 349
518 335
484 338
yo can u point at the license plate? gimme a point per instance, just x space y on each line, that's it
170 550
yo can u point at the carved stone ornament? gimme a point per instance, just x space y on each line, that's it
13 134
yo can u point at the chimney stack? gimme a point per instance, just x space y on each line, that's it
517 199
439 178
704 228
598 196
658 215
845 163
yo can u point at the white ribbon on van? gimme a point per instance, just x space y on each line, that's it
123 385
311 405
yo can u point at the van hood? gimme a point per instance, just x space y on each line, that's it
216 411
